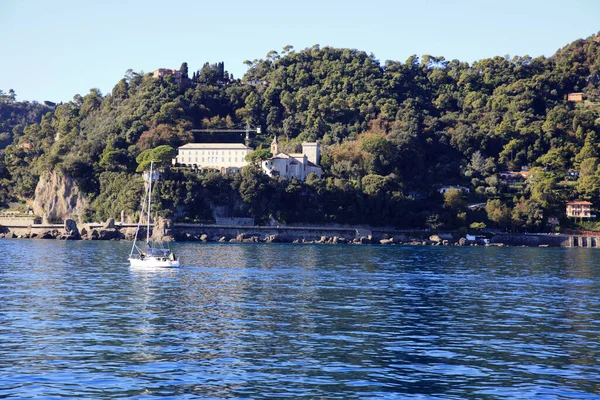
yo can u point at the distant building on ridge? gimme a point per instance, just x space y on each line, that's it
162 72
575 97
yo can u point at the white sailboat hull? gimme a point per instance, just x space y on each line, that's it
154 262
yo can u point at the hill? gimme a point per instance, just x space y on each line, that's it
393 134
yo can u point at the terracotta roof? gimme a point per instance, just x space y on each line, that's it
580 202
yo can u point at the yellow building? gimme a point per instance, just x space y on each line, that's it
579 209
223 157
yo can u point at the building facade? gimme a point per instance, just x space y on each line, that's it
162 72
445 189
579 209
575 97
295 165
223 157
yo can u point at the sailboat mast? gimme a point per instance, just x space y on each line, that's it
149 204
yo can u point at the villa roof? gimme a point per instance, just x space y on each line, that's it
225 146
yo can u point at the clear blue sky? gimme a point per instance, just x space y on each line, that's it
52 50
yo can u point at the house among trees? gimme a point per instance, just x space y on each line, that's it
162 72
572 175
25 146
445 189
579 209
575 97
296 165
513 176
223 157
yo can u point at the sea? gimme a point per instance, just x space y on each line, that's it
276 321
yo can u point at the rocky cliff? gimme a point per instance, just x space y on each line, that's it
57 197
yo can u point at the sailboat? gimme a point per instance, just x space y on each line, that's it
150 254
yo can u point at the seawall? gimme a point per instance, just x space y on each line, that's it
299 234
549 240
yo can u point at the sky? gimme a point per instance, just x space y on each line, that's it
52 50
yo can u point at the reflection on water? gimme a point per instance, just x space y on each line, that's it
281 320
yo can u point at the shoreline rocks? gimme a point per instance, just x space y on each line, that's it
167 231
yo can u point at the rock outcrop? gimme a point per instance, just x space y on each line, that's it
163 231
57 197
71 230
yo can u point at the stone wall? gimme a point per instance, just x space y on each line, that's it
515 239
235 221
18 222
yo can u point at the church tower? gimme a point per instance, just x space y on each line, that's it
274 146
312 151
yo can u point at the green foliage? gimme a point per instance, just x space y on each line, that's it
477 225
528 215
118 192
258 155
454 200
161 155
498 213
386 131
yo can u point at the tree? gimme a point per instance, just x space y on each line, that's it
184 70
589 187
258 155
477 225
589 148
498 213
161 155
113 160
454 200
588 167
528 215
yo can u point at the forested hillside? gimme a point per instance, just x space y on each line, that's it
392 135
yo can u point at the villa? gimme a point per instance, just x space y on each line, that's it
224 157
579 209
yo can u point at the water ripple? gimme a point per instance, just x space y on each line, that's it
255 321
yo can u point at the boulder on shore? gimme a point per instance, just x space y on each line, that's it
46 235
163 231
71 229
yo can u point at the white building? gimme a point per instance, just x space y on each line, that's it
293 165
223 157
445 189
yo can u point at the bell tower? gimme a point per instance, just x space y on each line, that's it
312 151
274 146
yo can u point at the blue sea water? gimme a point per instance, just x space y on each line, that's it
257 321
